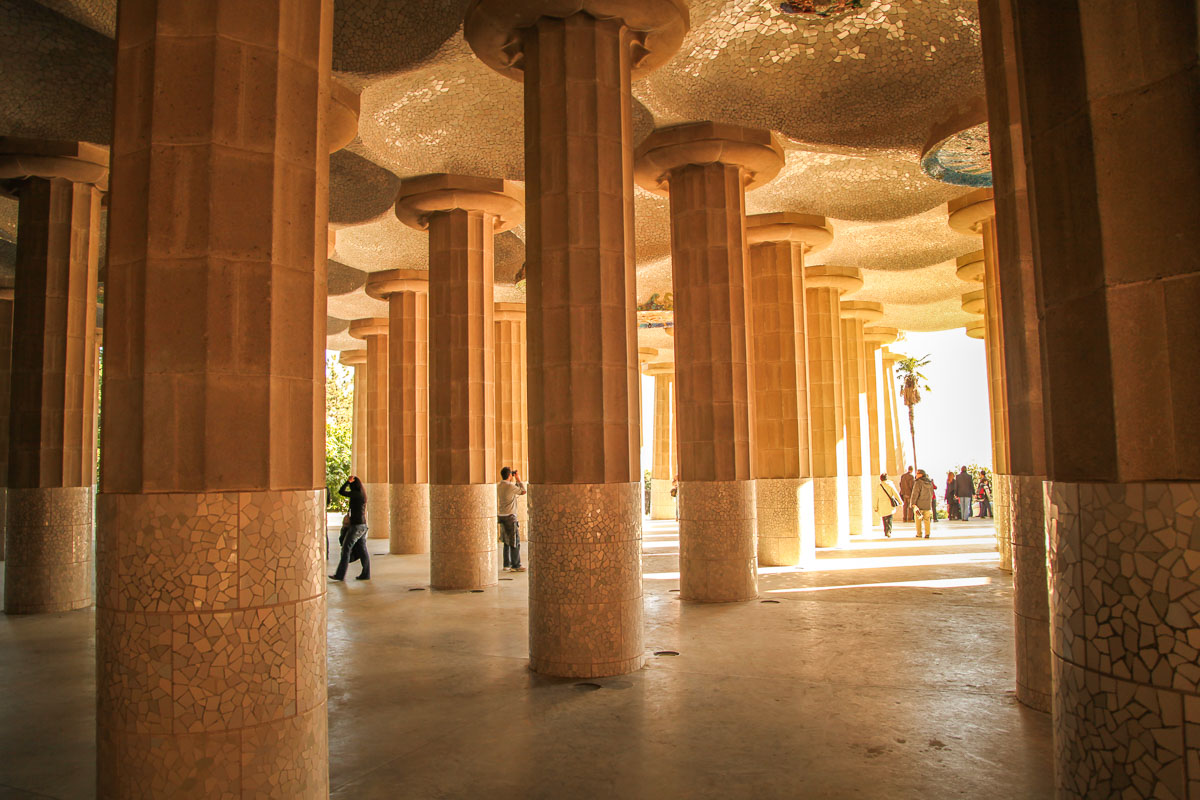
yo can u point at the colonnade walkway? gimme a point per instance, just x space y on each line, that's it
885 671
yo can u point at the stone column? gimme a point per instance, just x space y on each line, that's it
875 339
462 214
974 214
376 467
1018 496
664 467
51 434
826 408
706 169
855 314
783 454
585 590
210 623
512 408
1117 284
894 444
6 318
357 360
407 294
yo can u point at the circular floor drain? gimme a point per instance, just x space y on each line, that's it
477 591
587 687
666 652
769 601
418 589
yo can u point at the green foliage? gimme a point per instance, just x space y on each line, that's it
339 428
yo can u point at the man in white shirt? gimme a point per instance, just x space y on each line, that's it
507 491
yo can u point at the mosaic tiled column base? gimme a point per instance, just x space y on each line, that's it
210 639
1002 518
662 505
585 584
830 500
379 509
1025 514
858 490
718 548
787 535
408 531
462 536
1125 636
49 550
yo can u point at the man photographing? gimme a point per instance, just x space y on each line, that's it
507 491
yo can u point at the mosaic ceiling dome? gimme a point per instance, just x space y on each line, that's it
858 92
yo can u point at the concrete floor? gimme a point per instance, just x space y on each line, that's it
885 672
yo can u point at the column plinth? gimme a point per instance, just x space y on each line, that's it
706 169
407 294
210 606
779 341
51 418
462 215
376 464
583 380
855 314
823 286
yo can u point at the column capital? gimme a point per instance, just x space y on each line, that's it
382 285
421 197
6 294
79 162
755 150
659 368
646 353
844 279
810 230
890 357
976 329
973 302
969 212
508 312
369 326
493 28
881 335
861 310
341 124
353 358
969 268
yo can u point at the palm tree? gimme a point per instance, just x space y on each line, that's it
911 380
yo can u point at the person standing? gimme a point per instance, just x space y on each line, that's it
886 497
507 491
906 487
951 500
984 494
922 500
964 489
354 532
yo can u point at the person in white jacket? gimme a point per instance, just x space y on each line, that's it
887 500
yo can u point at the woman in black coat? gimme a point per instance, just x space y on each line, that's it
354 531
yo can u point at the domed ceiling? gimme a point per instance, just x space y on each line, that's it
854 99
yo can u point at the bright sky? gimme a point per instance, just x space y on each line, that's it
951 419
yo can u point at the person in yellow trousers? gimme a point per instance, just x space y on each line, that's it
922 500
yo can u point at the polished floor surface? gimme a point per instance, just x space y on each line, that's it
884 672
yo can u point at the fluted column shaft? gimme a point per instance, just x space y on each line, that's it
210 558
52 415
6 319
664 466
357 361
512 408
375 461
718 551
779 333
407 295
585 594
854 398
462 401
